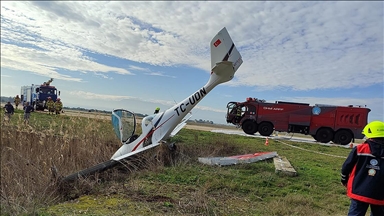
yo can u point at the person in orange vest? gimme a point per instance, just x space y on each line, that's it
363 173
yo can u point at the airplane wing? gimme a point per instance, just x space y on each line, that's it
180 126
136 151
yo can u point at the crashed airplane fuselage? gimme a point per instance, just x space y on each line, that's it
158 128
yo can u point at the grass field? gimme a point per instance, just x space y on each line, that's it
158 182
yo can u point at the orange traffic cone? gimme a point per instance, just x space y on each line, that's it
351 145
266 141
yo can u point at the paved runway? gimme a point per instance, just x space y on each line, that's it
281 137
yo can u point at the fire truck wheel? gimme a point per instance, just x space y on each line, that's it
343 137
265 128
249 127
324 135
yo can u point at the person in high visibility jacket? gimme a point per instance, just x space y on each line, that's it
238 114
363 173
50 106
58 106
157 110
17 101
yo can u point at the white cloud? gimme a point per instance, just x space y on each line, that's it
103 76
298 45
3 75
159 74
132 67
149 72
7 90
95 96
211 109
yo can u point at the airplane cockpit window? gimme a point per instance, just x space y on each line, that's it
124 124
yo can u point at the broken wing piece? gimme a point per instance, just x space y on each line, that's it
180 126
237 159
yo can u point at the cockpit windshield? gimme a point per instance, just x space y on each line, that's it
124 124
50 91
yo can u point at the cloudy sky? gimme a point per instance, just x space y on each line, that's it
140 55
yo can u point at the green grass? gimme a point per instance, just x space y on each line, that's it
59 124
184 186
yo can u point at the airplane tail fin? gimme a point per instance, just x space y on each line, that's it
225 58
223 49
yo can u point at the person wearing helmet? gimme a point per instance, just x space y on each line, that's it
58 106
157 110
238 114
50 106
363 172
17 101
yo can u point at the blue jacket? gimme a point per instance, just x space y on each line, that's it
9 108
363 172
28 109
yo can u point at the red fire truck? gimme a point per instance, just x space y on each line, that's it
325 123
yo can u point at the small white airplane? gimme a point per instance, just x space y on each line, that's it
158 128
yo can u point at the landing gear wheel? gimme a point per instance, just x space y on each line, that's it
265 128
324 135
249 127
343 137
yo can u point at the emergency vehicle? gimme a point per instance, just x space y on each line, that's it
325 123
37 95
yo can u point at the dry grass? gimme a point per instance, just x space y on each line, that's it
168 182
34 157
29 154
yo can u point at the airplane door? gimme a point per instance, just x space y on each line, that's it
124 124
